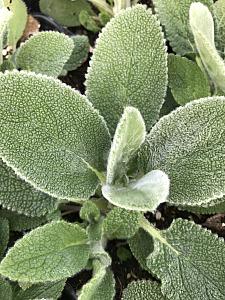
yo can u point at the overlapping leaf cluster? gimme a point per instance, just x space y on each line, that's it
107 154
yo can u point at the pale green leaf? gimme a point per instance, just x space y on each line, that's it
46 291
186 80
202 25
188 145
174 16
121 223
89 21
5 290
53 137
144 194
17 195
219 9
129 67
141 245
143 290
45 53
5 16
79 54
19 222
49 253
100 287
4 236
17 22
65 12
196 269
130 134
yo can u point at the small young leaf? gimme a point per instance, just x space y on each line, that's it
141 245
188 145
79 54
121 223
5 290
186 80
143 290
129 67
100 287
49 253
17 195
53 137
197 270
90 212
174 14
130 134
19 222
144 194
65 12
219 10
17 22
45 53
4 236
202 26
46 291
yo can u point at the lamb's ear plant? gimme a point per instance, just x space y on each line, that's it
56 148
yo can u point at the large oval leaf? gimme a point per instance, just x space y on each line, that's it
143 290
189 146
18 195
49 253
51 135
195 270
45 53
129 67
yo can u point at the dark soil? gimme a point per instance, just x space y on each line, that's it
129 270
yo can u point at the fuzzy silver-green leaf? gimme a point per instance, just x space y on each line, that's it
189 146
185 273
79 54
101 286
143 290
130 134
141 245
129 67
49 253
52 137
18 195
174 16
121 223
49 291
45 53
144 194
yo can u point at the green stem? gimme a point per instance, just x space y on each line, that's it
156 234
